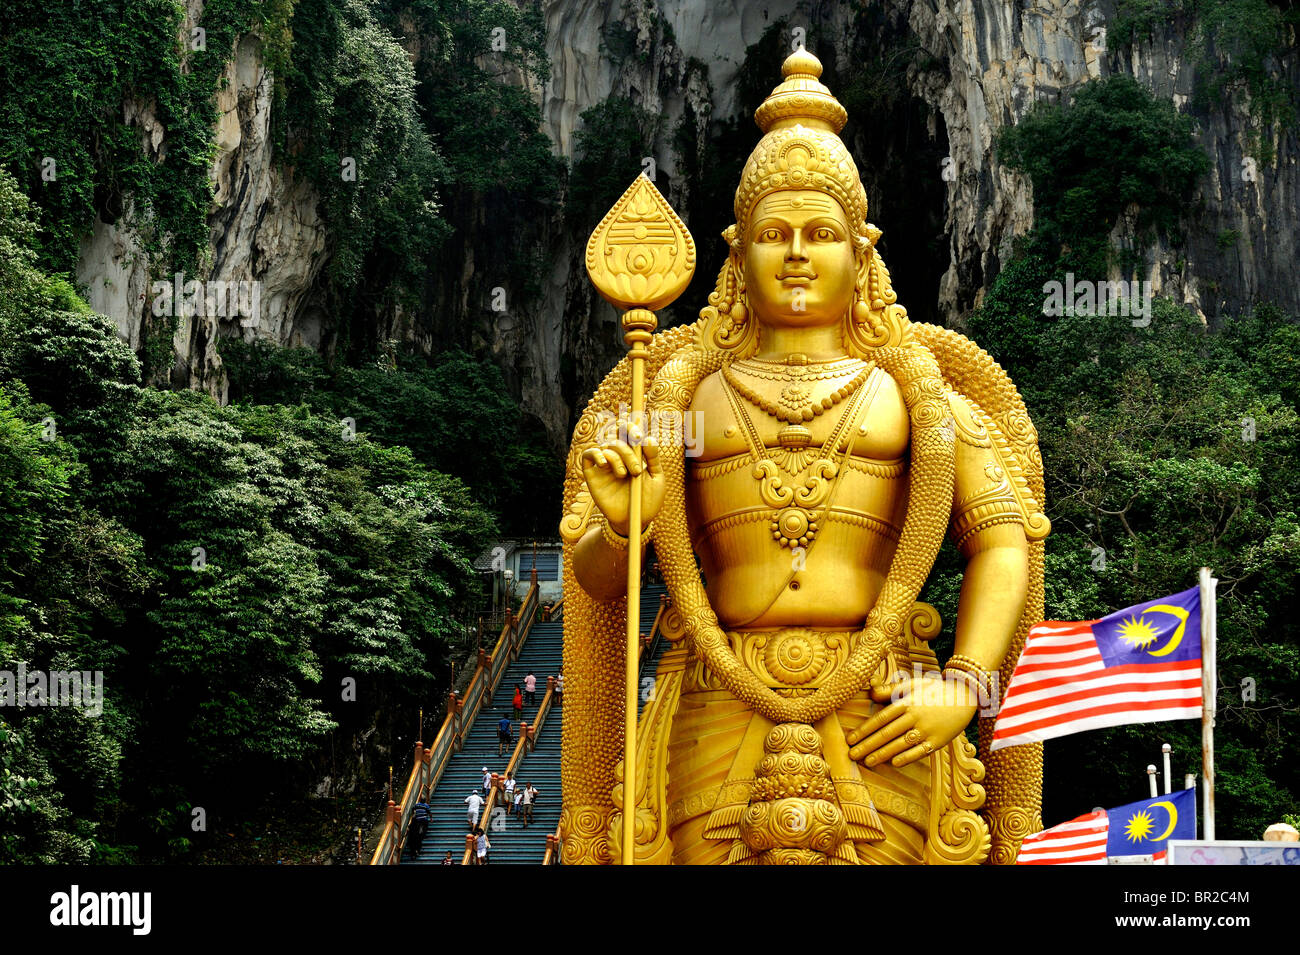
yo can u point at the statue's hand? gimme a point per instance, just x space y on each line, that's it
927 713
608 469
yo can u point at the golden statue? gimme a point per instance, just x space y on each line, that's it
800 716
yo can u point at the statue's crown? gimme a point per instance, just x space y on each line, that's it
801 147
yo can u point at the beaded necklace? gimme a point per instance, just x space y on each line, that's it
794 407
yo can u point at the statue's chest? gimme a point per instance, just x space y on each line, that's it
749 481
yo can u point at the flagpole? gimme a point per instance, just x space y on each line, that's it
1209 687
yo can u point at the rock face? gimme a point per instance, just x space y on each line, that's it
264 229
969 67
1002 58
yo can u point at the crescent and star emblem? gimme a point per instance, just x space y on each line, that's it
1139 632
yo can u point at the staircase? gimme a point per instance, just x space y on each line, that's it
541 654
512 844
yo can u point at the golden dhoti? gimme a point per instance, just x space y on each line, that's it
716 745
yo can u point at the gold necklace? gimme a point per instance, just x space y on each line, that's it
796 367
794 407
794 454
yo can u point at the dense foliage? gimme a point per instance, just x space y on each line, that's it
228 569
1113 146
454 414
349 119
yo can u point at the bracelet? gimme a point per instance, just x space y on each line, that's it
613 537
617 540
971 669
972 682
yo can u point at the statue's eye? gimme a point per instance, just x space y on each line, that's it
771 235
824 235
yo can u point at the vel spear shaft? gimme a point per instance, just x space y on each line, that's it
640 258
639 325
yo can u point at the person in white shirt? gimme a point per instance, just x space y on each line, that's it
530 687
510 792
487 782
475 803
481 847
529 794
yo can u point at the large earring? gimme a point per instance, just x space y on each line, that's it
861 314
739 311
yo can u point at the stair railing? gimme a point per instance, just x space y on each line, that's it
553 847
429 764
554 611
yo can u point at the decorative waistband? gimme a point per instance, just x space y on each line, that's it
792 660
769 517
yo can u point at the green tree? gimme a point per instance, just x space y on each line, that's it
1112 146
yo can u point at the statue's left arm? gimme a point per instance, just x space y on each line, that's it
987 526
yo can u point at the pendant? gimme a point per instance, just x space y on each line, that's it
795 396
794 437
793 527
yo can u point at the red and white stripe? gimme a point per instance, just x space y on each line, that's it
1080 841
1061 686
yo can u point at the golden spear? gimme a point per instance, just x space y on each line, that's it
640 258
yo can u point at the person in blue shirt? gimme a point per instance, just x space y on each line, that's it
503 733
419 826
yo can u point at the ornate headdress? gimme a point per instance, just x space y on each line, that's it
801 147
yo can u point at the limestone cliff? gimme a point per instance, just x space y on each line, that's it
263 226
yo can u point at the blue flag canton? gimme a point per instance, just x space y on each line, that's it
1143 828
1165 630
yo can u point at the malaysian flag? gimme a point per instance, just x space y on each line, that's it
1144 827
1139 665
1139 828
1080 841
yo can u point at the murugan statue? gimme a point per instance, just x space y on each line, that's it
801 716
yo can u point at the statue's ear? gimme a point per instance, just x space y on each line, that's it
735 253
737 259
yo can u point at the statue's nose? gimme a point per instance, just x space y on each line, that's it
796 252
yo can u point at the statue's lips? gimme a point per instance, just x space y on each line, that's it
796 278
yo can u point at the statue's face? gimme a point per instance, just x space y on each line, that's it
799 262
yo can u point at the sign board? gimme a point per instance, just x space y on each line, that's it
1228 852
